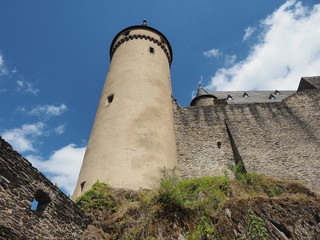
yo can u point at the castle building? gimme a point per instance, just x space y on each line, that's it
139 129
133 134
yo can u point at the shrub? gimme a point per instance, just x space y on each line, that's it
273 190
205 231
97 197
168 194
256 229
201 194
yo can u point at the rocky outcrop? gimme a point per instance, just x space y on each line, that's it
256 208
284 218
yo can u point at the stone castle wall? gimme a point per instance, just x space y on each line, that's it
276 139
56 216
280 139
203 145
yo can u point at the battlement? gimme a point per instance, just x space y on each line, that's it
277 137
138 132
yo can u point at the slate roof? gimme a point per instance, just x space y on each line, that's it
309 83
243 97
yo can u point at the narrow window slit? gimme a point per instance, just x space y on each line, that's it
245 94
272 97
109 99
151 49
82 185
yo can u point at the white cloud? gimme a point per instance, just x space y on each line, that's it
20 83
47 110
230 60
22 139
212 53
1 61
27 87
215 53
248 33
21 109
288 49
3 69
59 130
62 167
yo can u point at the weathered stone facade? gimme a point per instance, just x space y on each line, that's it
136 134
203 143
280 139
56 215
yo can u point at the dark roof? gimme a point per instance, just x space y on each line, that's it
309 83
243 97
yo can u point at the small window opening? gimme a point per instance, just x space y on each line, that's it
82 185
272 97
110 98
151 49
40 202
34 205
219 144
245 94
276 92
229 97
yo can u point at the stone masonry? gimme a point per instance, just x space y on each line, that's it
280 139
55 217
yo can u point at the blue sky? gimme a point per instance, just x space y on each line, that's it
54 59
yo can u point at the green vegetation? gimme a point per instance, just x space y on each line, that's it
204 230
256 229
98 196
257 184
199 194
187 208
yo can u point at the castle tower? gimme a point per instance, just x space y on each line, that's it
133 136
203 98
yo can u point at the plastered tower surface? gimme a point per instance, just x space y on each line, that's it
133 136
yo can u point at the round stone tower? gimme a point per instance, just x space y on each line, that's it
132 138
203 98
